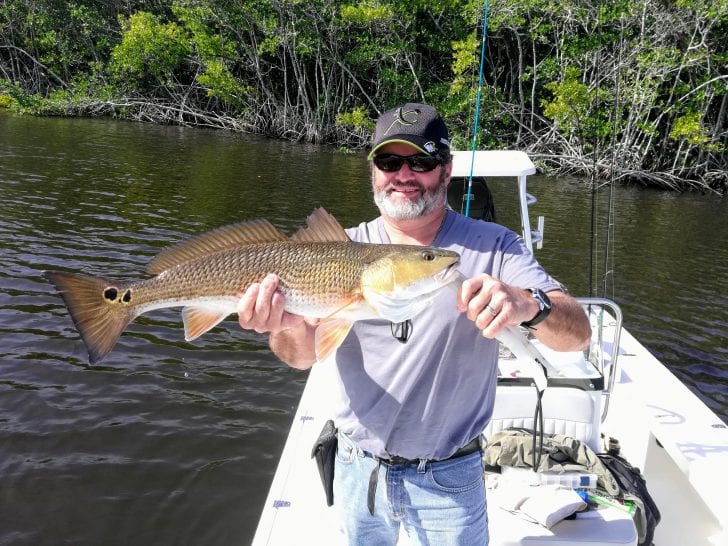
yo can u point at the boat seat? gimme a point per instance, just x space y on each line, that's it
574 412
567 410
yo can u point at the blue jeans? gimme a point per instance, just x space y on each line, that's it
436 503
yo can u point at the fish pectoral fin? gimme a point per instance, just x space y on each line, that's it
348 306
198 320
396 309
330 334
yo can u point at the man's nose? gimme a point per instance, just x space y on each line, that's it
404 174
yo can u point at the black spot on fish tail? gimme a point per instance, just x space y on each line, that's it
99 320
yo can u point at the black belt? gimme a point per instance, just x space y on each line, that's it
471 447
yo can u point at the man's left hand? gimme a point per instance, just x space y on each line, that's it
493 305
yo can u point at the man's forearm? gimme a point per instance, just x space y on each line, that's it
567 326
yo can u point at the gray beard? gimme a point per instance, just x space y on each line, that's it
428 202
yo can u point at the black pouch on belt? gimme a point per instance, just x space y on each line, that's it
324 451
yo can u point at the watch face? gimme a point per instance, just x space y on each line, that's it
544 306
543 300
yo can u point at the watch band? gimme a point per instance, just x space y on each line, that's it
544 307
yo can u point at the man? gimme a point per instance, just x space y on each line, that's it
415 397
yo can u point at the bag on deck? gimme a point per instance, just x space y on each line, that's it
634 486
615 476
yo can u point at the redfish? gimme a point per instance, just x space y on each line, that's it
323 274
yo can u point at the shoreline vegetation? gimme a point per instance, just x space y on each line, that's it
635 92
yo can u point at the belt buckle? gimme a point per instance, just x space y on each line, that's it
399 461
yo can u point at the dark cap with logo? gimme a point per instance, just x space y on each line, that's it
418 125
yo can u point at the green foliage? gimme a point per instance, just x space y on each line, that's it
203 32
576 108
689 127
19 100
357 118
465 62
642 80
215 52
368 13
149 49
220 83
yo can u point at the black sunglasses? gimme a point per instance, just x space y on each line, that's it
419 163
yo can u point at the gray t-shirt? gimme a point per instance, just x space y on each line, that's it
426 398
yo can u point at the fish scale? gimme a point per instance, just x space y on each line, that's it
319 272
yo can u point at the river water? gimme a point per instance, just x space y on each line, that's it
168 442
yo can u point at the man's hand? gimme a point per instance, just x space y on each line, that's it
261 308
493 305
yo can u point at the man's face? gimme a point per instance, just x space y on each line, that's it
405 194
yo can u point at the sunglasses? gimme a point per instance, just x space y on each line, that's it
420 163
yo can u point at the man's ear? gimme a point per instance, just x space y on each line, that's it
448 172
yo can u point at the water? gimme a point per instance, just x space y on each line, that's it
168 442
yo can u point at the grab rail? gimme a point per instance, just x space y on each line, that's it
617 315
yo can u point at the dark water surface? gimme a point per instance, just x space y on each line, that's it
168 442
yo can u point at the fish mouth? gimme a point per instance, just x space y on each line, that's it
450 274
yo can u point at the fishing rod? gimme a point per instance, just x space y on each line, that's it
608 266
486 9
513 338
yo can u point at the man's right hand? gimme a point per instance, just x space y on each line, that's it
261 308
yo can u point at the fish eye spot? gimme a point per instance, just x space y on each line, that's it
126 298
428 256
111 293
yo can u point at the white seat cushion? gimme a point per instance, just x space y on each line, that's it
566 410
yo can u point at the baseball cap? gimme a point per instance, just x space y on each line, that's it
418 125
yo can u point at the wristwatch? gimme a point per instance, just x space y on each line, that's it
544 307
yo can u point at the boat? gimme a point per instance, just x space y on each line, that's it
615 390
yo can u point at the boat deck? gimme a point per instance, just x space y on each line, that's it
684 471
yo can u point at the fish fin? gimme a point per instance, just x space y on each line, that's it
397 309
198 320
320 227
100 309
223 238
330 334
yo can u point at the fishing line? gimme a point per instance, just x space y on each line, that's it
486 8
593 260
607 269
537 435
609 244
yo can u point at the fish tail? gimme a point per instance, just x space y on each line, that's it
100 309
